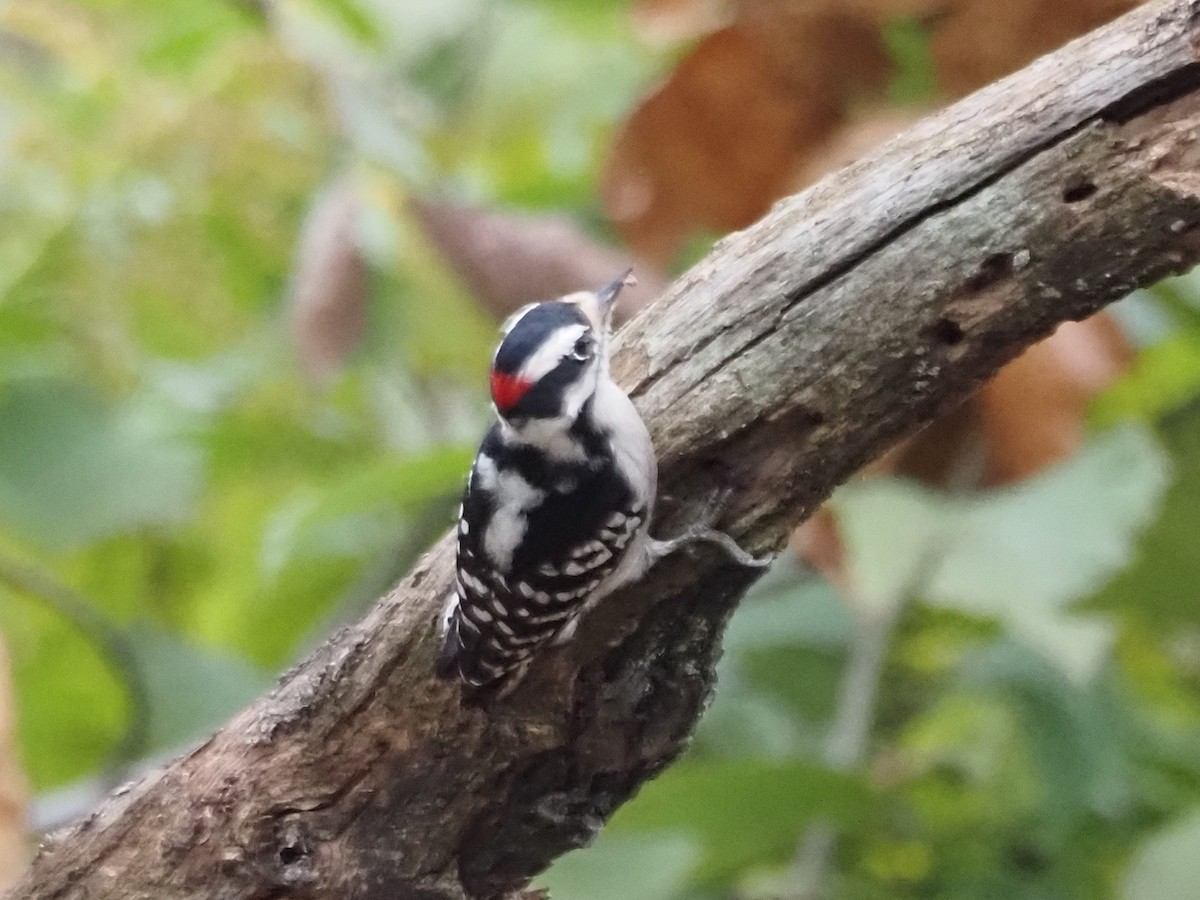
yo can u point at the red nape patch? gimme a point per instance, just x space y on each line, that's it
507 390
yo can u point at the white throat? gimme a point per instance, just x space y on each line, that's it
552 436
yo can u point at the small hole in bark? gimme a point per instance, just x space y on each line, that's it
1074 193
995 268
946 331
290 854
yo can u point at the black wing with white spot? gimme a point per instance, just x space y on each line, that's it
571 542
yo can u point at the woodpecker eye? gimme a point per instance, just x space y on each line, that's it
582 349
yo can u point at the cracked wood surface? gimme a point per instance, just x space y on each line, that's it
795 352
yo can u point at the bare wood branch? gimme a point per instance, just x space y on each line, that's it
795 352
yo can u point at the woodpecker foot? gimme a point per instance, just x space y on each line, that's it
702 533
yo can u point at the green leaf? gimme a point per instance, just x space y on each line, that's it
1024 554
1163 378
777 673
1164 868
784 652
74 469
914 80
1077 736
180 34
893 532
787 608
73 707
351 16
332 522
632 867
191 689
743 812
1019 555
1158 590
743 722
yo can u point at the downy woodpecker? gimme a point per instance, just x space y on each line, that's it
557 507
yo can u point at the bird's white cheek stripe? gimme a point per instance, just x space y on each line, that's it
578 393
557 345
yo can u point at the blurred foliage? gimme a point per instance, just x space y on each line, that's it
239 390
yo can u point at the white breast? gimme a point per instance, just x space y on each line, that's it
615 415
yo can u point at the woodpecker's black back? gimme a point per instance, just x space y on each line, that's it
575 533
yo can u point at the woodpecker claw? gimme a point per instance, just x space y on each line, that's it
702 533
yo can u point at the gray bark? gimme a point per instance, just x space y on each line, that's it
797 351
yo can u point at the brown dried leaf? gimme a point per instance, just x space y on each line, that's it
884 10
327 299
716 144
674 21
850 141
819 543
877 11
1029 416
980 41
948 453
14 837
507 259
1034 410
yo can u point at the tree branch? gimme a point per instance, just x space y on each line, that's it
799 349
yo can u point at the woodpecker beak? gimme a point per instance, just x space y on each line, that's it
606 297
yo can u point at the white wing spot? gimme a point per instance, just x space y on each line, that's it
521 644
478 612
555 616
586 549
514 496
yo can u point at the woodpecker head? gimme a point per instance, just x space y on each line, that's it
553 355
